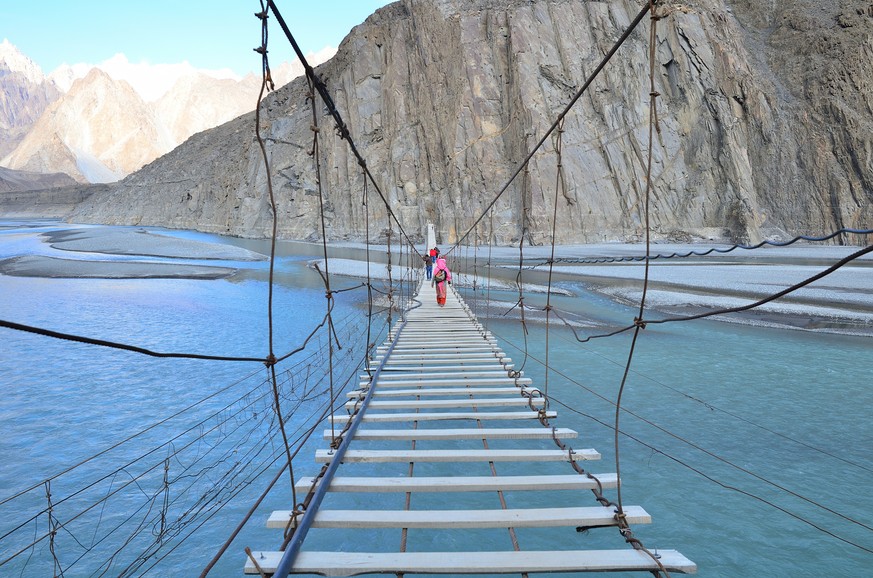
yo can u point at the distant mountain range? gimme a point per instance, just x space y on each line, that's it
98 125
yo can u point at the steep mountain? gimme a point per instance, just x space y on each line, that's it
192 104
171 102
99 131
764 127
24 95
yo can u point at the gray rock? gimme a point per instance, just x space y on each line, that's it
764 128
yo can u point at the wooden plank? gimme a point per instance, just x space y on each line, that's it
429 335
417 331
454 360
460 434
407 370
323 456
443 338
474 383
489 355
445 403
413 349
455 563
463 483
588 516
414 375
450 415
461 351
422 391
444 325
480 349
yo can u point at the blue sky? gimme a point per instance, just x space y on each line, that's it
210 34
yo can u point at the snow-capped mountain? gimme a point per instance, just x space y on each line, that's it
24 95
98 124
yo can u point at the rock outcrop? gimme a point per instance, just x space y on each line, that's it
764 127
14 181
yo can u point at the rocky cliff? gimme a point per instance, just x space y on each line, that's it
765 126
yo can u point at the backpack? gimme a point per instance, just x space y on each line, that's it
440 276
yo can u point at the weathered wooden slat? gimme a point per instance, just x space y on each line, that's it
453 360
444 338
467 356
459 352
427 347
589 516
413 375
406 370
455 563
445 403
459 434
426 391
464 483
453 341
479 382
323 456
372 417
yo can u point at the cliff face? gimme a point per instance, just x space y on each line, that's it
765 127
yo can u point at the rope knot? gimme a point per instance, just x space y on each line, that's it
638 322
270 361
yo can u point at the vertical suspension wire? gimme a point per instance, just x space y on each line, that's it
476 271
267 85
403 278
52 531
390 280
408 274
328 294
488 268
519 279
369 346
560 187
639 322
464 261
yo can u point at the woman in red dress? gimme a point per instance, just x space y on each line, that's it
441 277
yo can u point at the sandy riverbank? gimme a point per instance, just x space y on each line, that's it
841 302
51 250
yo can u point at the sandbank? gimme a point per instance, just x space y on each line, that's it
51 267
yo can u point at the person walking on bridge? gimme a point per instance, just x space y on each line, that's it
441 277
428 266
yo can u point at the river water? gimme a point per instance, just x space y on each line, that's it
752 448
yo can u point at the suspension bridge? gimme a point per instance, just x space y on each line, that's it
443 461
450 437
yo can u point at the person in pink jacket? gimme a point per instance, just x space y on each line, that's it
441 277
